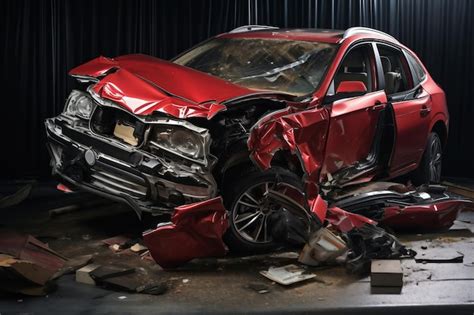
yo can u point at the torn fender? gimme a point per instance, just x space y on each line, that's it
144 84
302 132
195 231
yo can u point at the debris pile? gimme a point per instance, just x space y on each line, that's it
27 266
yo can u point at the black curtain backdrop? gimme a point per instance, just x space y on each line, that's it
42 39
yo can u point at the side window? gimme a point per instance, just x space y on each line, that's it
395 69
357 65
417 70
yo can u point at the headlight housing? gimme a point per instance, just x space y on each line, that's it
178 140
79 104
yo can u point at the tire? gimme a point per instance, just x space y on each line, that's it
429 170
253 182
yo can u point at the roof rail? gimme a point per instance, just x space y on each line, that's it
364 30
248 28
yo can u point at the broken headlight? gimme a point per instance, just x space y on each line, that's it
79 104
178 140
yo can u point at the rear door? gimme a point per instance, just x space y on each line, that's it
411 106
354 119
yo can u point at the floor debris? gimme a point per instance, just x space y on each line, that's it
153 288
287 275
439 255
73 264
386 273
14 199
259 287
27 265
138 248
83 275
324 246
119 240
104 272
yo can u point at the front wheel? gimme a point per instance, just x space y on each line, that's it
251 210
429 170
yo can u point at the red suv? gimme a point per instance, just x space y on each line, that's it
304 112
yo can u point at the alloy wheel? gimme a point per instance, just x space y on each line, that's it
435 160
251 211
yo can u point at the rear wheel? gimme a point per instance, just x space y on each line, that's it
429 170
250 207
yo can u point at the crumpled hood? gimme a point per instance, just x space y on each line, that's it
144 84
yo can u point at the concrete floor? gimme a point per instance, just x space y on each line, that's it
222 285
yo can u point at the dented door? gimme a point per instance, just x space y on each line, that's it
352 130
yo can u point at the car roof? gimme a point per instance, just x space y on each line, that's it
308 34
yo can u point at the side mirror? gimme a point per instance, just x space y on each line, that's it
351 87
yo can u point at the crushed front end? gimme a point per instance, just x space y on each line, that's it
154 163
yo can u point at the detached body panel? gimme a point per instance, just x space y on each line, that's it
196 231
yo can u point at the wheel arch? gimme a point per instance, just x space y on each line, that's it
241 161
440 128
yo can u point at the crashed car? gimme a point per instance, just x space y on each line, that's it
302 113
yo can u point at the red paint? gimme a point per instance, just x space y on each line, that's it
432 216
346 221
351 122
143 98
63 188
302 132
351 87
95 68
412 131
144 84
351 130
319 207
195 231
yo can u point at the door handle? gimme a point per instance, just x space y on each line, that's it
377 105
425 110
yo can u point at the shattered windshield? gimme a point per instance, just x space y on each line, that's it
288 66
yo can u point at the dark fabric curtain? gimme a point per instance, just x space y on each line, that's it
42 39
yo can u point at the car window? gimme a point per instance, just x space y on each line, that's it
395 69
288 66
357 65
417 70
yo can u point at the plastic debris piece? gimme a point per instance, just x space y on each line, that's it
287 275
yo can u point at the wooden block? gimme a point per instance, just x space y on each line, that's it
386 273
385 290
83 274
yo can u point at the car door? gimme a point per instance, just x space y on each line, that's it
411 105
354 119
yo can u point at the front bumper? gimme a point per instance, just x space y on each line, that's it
121 172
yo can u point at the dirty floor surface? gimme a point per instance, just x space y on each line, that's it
231 284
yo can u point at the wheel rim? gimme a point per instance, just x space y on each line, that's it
435 161
252 209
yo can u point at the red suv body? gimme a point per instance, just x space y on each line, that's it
307 112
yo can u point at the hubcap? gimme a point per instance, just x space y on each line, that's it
252 209
435 161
